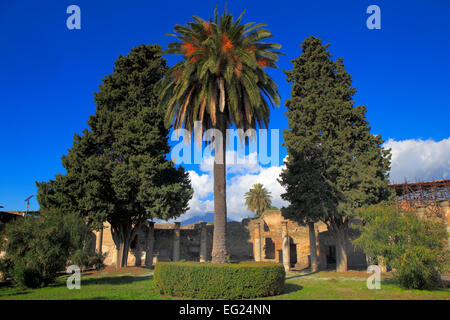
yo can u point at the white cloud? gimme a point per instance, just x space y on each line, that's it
201 183
417 159
240 184
414 159
236 163
242 174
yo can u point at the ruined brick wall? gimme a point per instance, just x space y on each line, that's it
356 258
239 244
108 245
270 230
240 238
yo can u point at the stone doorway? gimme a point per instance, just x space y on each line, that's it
331 256
269 249
293 253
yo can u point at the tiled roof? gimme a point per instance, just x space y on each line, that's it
19 213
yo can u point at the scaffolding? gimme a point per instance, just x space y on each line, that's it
411 195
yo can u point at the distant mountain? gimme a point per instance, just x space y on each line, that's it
208 217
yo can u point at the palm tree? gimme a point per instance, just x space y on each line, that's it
220 83
258 199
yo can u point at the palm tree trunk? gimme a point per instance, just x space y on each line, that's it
219 250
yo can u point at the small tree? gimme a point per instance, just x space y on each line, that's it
334 163
118 171
414 247
258 199
38 248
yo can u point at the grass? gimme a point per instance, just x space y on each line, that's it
131 284
137 284
334 286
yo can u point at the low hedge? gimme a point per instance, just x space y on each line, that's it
219 281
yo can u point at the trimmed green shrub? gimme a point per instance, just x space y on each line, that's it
219 281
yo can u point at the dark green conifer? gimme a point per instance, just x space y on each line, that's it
334 163
117 171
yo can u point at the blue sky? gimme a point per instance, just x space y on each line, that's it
48 73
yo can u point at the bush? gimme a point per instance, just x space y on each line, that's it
27 276
6 267
86 260
417 269
219 281
38 248
414 247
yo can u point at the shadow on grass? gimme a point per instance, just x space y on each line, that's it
389 281
301 275
94 298
5 284
13 293
445 285
291 287
115 280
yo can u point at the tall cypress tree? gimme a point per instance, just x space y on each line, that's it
117 171
334 163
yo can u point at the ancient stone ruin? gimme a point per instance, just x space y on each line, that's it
268 238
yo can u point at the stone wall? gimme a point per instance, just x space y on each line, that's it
240 243
271 235
239 246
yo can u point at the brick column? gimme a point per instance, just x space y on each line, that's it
382 264
150 244
176 242
445 206
263 242
421 211
285 245
99 241
203 239
257 242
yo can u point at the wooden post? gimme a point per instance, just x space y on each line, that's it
150 244
203 243
257 242
285 245
176 242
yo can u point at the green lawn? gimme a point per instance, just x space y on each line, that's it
137 283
